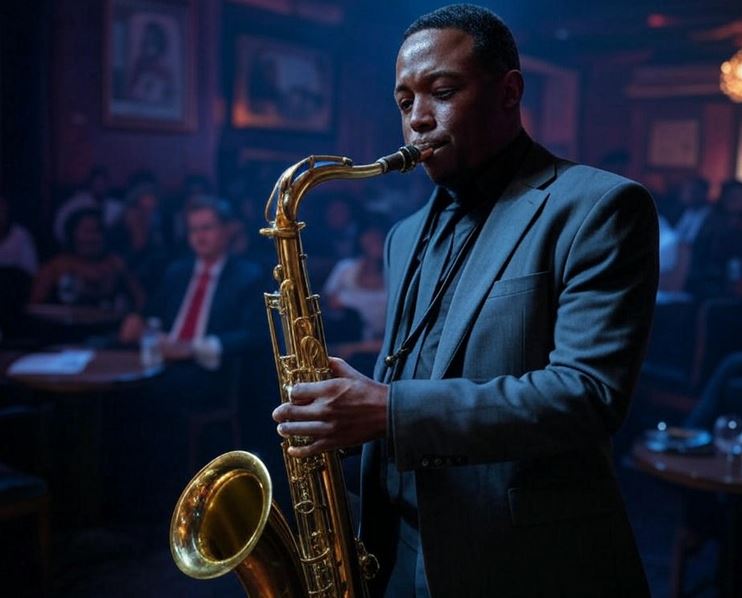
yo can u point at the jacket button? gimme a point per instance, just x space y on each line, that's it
425 462
437 461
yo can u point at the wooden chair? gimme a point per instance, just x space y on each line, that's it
26 496
227 415
687 344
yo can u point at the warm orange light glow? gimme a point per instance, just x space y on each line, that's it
731 77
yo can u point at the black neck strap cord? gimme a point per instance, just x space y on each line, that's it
394 359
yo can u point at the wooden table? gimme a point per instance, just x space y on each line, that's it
78 421
700 472
108 370
709 473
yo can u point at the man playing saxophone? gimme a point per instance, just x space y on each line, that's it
521 297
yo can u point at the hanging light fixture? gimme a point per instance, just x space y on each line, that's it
731 77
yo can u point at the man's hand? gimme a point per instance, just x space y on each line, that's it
175 350
344 411
131 329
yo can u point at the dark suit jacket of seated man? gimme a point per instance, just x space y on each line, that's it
209 307
233 325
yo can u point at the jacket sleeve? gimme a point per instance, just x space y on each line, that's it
604 307
249 327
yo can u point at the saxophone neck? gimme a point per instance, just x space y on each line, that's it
305 175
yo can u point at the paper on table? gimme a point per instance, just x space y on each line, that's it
65 362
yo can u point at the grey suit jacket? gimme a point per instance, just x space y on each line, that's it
540 350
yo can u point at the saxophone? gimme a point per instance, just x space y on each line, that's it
225 519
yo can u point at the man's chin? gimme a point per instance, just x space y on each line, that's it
441 177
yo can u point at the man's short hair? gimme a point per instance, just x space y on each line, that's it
494 45
221 209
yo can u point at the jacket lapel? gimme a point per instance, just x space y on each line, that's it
509 220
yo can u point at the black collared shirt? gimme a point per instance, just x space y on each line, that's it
458 218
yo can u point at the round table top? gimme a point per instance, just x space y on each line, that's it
74 315
108 370
701 472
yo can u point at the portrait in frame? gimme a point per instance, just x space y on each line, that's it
674 143
281 85
148 64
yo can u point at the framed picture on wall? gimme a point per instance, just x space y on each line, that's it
674 143
148 64
281 85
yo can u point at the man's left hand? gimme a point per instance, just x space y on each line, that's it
344 411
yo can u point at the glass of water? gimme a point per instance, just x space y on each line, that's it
728 438
68 289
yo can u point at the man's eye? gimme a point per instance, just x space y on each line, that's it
444 94
405 104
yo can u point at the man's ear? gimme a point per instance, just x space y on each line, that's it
512 86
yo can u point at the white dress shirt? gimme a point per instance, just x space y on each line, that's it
207 349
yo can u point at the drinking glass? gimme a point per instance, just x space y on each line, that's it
728 438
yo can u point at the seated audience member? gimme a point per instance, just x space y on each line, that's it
246 239
331 236
87 273
138 238
720 395
208 305
194 186
358 283
693 196
715 267
18 265
17 248
94 195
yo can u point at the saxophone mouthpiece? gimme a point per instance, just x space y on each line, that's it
404 159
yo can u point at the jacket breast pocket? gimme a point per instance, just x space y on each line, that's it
521 284
511 333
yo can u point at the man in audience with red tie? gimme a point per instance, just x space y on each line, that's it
208 308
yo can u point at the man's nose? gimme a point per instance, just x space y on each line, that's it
422 118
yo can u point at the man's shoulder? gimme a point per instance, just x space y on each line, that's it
180 267
580 176
241 271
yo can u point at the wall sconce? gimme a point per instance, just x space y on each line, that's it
731 77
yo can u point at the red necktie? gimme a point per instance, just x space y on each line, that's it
188 329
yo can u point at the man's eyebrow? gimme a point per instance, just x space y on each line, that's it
431 76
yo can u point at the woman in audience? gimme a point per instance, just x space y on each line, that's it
16 245
18 265
87 273
358 283
138 238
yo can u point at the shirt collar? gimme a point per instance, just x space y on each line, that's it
214 270
492 179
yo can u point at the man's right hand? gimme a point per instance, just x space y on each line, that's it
131 329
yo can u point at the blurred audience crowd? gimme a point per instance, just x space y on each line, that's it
701 240
117 250
180 276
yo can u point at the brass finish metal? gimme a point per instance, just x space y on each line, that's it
224 519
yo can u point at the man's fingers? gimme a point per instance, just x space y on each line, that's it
317 447
313 429
306 392
341 369
290 412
